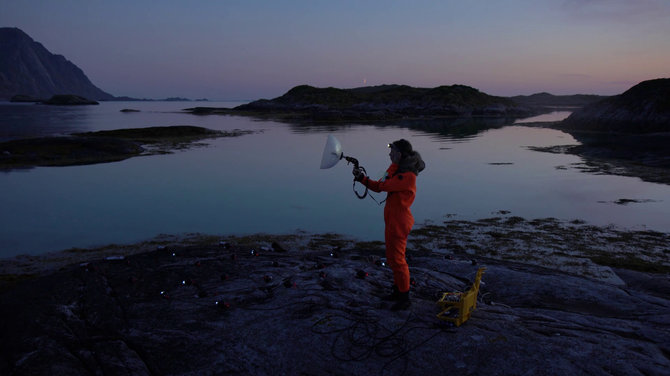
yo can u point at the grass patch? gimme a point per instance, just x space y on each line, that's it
428 231
513 221
248 240
371 246
489 220
327 240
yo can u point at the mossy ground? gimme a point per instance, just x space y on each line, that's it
571 246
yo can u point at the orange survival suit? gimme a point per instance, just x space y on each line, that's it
401 188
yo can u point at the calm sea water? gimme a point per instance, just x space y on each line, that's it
270 181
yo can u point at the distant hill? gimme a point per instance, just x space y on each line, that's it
644 108
387 101
549 100
29 69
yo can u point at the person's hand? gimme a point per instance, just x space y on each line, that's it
358 174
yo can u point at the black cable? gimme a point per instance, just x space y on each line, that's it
359 335
365 173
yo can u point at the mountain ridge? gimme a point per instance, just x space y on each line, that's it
28 68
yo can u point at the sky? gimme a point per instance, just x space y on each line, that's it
248 49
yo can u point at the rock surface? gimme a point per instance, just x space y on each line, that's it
268 305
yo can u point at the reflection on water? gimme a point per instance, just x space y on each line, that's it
455 129
22 120
270 182
552 116
30 120
447 128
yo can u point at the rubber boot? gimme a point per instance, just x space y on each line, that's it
402 303
393 296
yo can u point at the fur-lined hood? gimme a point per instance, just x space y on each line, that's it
412 163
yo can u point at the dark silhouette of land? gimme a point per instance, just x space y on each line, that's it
102 146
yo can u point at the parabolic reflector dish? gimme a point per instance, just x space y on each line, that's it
332 153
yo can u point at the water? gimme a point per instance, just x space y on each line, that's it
270 181
21 120
552 116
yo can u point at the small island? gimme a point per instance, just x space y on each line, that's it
69 100
103 146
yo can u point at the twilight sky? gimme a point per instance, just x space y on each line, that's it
252 49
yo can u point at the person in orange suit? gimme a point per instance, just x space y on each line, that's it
400 183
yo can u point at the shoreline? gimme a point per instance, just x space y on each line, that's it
544 242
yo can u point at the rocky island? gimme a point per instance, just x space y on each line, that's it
377 103
103 146
69 100
642 109
626 134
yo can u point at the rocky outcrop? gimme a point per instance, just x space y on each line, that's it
25 99
626 134
644 108
69 100
28 68
310 304
386 102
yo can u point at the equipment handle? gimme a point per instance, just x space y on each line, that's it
352 160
